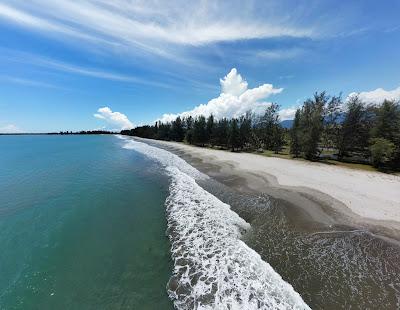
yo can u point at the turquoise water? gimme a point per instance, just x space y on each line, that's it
82 225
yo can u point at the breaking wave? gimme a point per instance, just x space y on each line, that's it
167 159
213 268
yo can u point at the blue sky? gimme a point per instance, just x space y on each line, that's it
61 61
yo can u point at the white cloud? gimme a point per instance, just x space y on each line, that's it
235 99
117 119
10 128
31 59
279 53
36 23
287 113
27 82
233 83
378 95
152 26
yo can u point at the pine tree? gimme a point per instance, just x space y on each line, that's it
266 125
387 122
234 135
268 129
332 116
385 134
295 148
277 138
311 124
222 132
245 130
177 130
354 134
210 129
200 131
164 131
189 130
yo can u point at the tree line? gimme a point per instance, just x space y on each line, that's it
248 132
83 132
323 127
350 131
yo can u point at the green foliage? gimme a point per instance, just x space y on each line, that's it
332 113
266 126
322 128
222 132
177 130
387 122
354 133
200 136
234 135
278 139
311 124
189 129
382 151
268 133
387 126
295 147
163 131
245 131
210 129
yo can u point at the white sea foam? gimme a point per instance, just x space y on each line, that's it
167 159
213 268
120 137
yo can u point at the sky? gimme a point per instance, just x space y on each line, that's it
116 64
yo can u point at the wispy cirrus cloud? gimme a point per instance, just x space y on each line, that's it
255 56
151 26
44 62
32 22
27 82
279 53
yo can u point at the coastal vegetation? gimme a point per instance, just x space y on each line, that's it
324 128
84 132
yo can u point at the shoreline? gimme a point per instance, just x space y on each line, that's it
309 239
324 195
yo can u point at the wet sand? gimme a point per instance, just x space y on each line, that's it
363 211
333 257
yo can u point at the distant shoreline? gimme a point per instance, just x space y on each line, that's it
327 194
57 133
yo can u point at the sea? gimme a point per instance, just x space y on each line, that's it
110 222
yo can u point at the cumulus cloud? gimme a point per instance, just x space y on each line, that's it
235 99
378 95
233 83
10 128
287 113
117 119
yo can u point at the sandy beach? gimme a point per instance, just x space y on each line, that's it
332 233
328 194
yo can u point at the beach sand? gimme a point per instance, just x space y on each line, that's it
326 194
332 233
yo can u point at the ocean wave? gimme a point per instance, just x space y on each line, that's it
213 268
164 157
